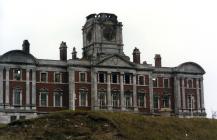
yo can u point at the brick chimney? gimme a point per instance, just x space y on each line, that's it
136 56
63 51
26 46
157 59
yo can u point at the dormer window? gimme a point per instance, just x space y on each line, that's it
17 74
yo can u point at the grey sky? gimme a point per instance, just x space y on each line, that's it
179 30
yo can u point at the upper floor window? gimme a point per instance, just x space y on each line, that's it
166 83
190 83
115 77
82 76
57 77
141 80
102 77
155 82
43 77
17 96
83 97
17 74
128 78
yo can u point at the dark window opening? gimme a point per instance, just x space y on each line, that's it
141 80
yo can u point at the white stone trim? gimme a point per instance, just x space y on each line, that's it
85 76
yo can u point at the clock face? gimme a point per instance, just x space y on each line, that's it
89 35
109 32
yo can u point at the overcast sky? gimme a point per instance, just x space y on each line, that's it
179 30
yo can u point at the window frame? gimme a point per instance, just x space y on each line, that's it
86 98
118 100
117 76
14 97
167 83
59 93
44 91
46 77
14 74
102 102
60 74
139 82
104 77
85 76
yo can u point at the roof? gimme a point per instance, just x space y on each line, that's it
18 57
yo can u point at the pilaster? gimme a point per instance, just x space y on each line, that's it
27 90
151 93
7 96
33 89
72 89
1 87
134 93
109 91
123 108
198 94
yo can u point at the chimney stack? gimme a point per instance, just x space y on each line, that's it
63 51
136 56
26 46
157 60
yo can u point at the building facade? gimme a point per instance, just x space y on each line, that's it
103 79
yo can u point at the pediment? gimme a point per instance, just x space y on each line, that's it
115 61
190 67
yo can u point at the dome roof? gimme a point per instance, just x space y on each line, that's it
18 57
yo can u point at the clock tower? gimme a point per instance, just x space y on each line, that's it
102 36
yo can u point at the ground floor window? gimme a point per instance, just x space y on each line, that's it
58 96
17 98
43 98
115 99
156 102
128 99
190 102
13 118
141 100
102 99
83 98
166 101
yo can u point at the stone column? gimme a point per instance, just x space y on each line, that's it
151 93
33 89
27 90
202 94
183 94
7 96
109 91
72 89
177 95
198 94
94 99
123 108
1 87
134 93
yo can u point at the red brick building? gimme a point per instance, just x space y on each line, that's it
103 79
